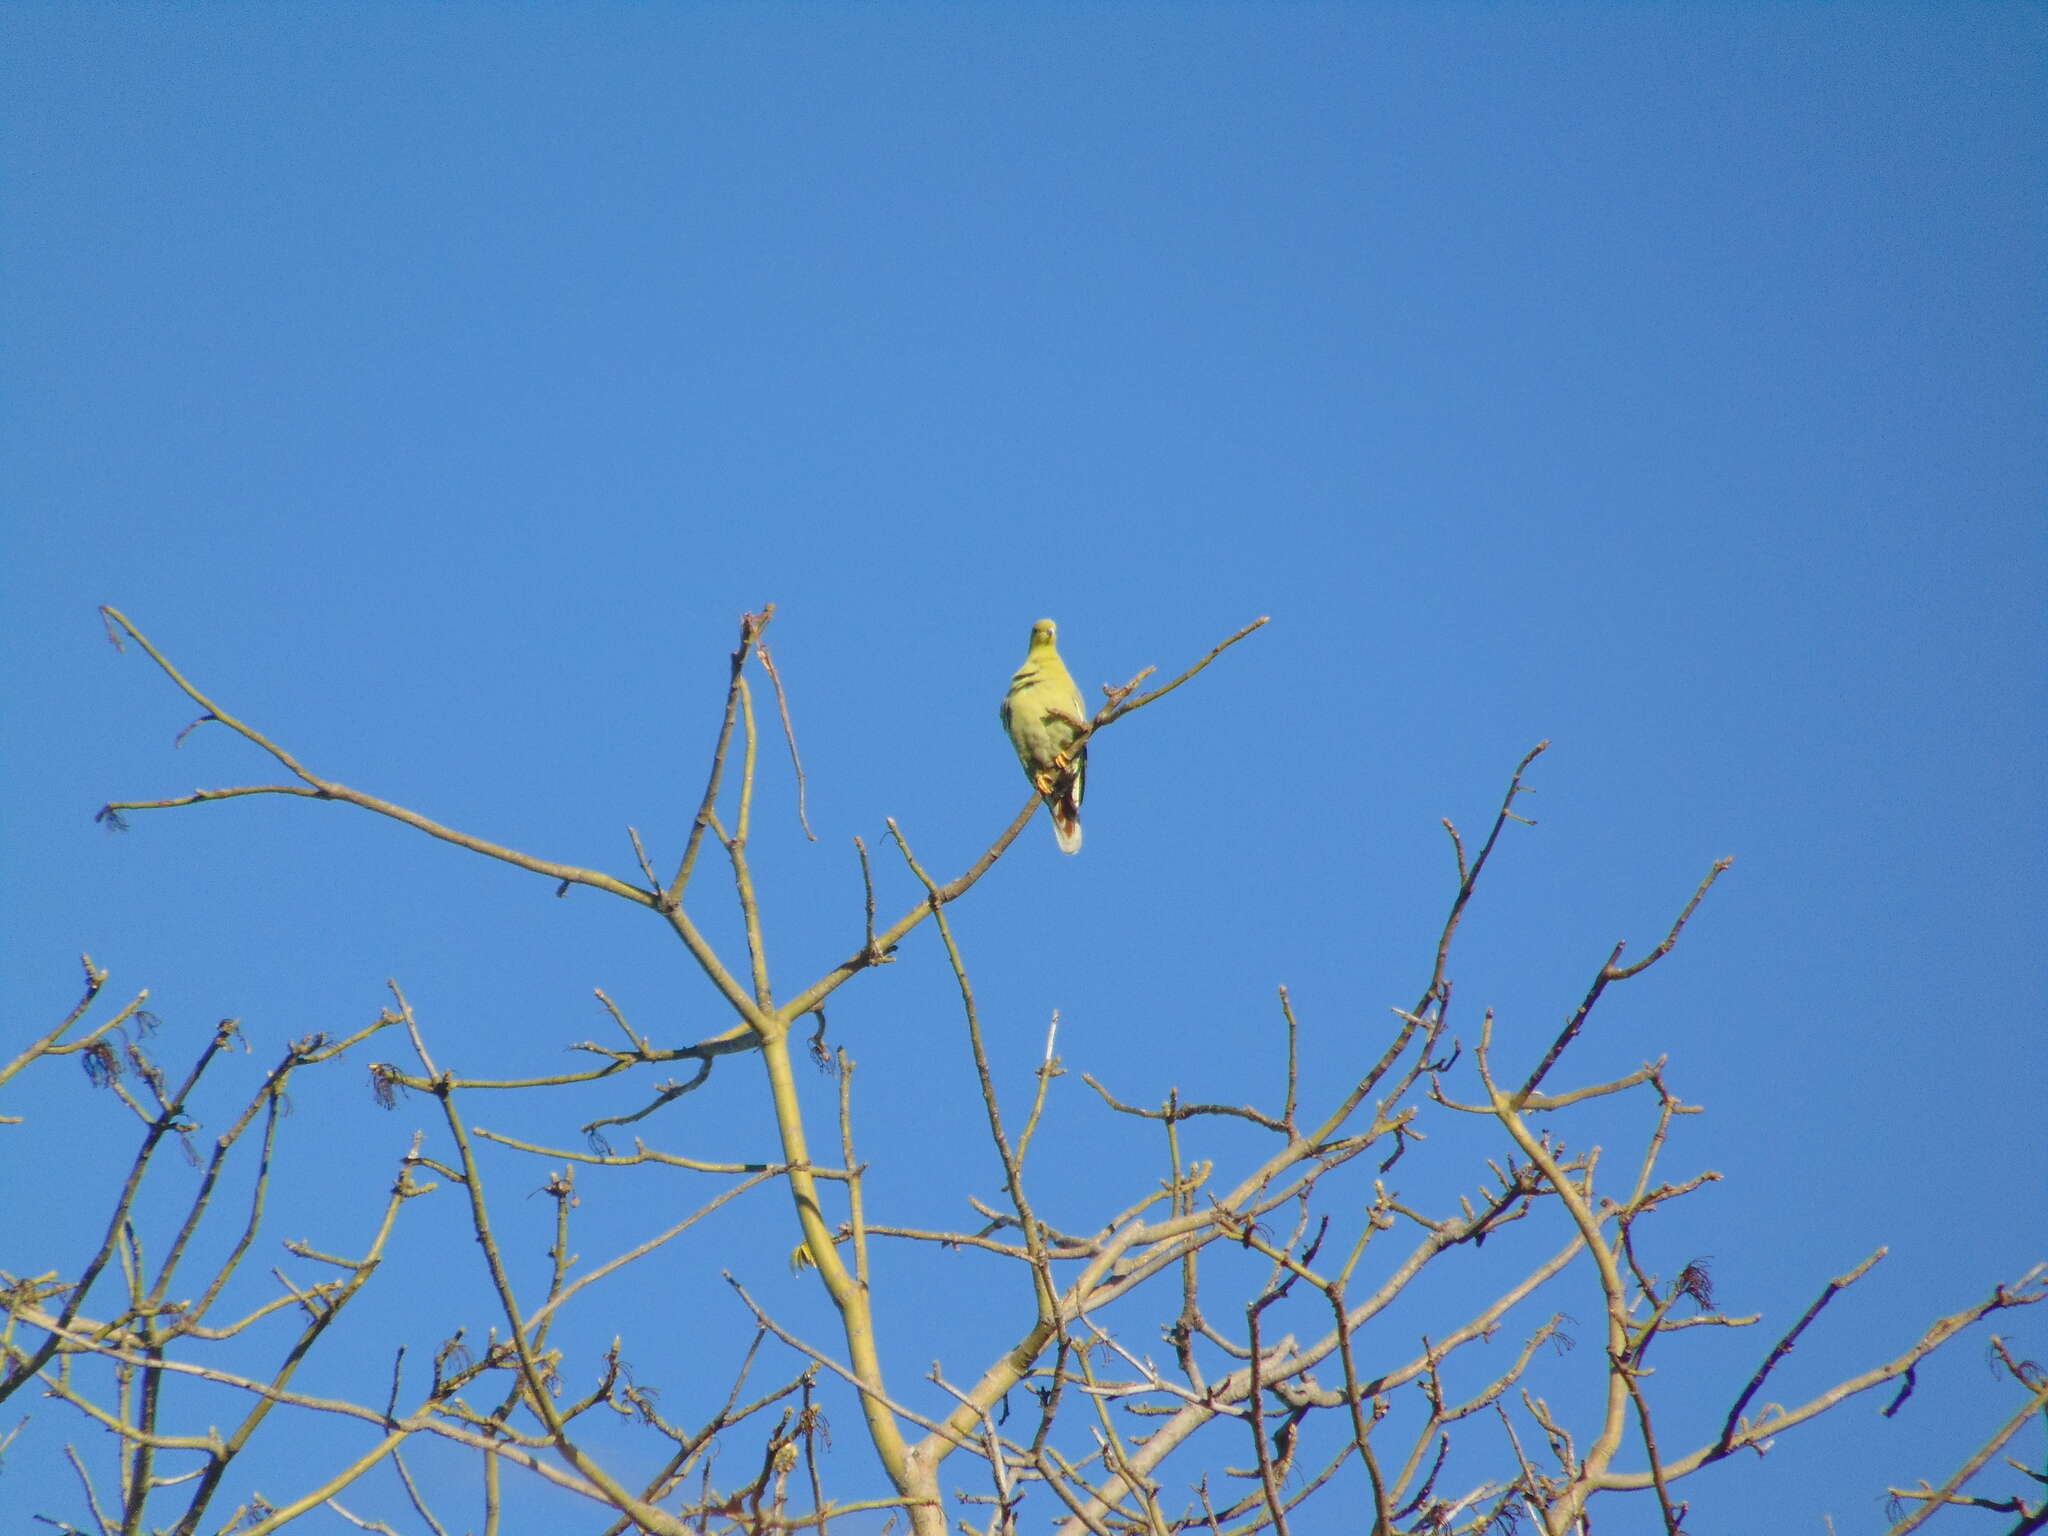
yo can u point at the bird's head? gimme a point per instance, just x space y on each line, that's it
1042 633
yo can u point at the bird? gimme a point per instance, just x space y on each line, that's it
1046 718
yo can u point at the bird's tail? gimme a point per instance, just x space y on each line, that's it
1065 804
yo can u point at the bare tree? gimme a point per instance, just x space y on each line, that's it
1211 1351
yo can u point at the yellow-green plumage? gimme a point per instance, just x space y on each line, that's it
1044 713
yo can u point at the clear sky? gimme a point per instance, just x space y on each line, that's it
439 385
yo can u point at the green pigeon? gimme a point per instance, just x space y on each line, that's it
1044 713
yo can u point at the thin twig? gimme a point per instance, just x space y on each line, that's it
788 735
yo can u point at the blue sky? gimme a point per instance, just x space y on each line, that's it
438 386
